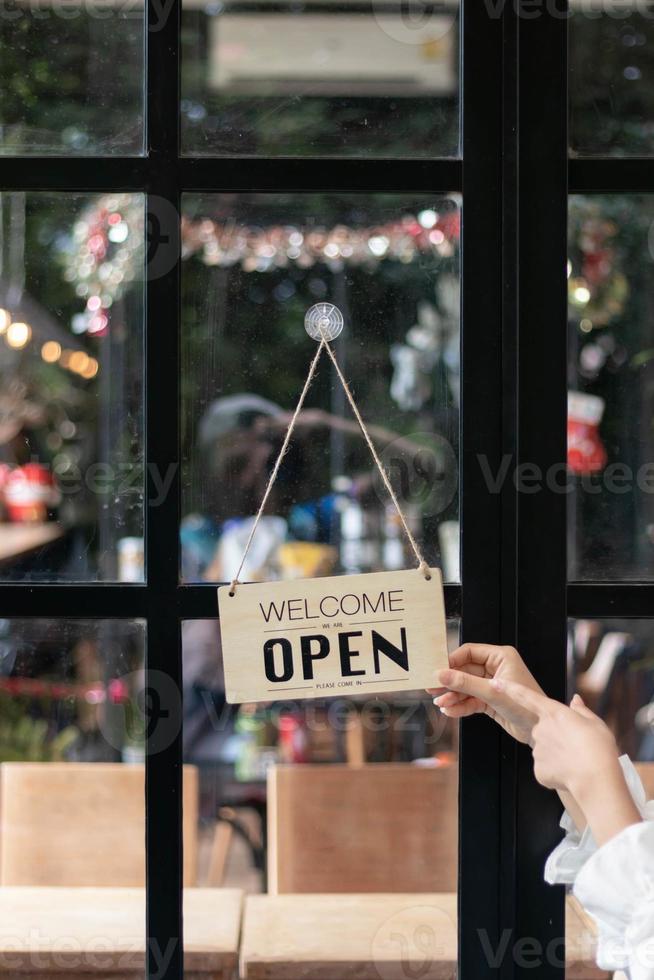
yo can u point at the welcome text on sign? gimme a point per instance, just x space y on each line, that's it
330 606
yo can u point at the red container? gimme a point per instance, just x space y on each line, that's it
29 492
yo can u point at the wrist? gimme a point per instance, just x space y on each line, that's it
594 781
606 801
573 809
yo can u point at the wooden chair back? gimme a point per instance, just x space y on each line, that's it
74 824
374 828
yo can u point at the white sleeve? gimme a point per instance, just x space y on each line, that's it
569 857
616 887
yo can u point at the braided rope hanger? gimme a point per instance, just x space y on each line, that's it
324 322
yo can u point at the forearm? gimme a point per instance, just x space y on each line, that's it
606 803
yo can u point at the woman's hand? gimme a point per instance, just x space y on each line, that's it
576 753
572 746
465 689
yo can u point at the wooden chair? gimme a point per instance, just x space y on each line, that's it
82 824
378 828
646 772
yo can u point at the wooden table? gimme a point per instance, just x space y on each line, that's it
85 933
18 540
372 937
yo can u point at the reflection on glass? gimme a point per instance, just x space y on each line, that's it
253 266
611 665
72 813
611 378
327 79
611 78
71 363
236 746
66 690
72 77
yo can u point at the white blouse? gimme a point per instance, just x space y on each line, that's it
615 884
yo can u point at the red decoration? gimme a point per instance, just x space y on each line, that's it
586 453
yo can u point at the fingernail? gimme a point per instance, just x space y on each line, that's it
497 684
445 677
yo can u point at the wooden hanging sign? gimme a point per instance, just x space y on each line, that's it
343 635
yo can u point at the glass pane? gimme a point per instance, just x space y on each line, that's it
611 375
611 78
349 79
71 379
71 812
237 750
72 78
253 265
610 664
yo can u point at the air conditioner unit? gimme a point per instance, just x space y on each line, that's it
331 54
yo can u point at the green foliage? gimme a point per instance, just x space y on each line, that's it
24 738
71 81
612 84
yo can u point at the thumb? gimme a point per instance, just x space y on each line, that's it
468 684
578 705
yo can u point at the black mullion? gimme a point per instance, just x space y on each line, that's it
164 660
199 601
508 754
611 600
319 174
231 174
611 175
64 600
99 174
540 574
481 398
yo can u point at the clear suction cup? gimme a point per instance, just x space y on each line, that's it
323 320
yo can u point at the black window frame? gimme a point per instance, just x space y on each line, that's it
514 177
